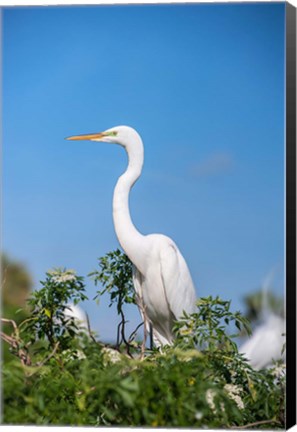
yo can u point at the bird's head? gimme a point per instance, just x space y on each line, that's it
123 135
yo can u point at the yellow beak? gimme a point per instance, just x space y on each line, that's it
95 136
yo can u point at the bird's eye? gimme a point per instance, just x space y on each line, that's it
113 133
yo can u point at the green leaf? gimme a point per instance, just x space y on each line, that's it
47 312
127 398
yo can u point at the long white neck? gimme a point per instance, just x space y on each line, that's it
129 237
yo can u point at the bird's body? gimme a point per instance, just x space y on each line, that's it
266 343
164 286
74 311
161 277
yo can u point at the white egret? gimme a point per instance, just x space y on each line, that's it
161 277
266 343
74 311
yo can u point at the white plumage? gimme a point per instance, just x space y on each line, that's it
74 311
161 276
265 345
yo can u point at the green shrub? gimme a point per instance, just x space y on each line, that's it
67 377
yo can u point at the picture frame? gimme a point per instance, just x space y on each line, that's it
219 162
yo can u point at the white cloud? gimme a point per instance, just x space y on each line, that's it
214 164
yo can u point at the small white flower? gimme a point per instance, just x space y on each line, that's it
59 276
234 394
63 278
279 370
210 394
111 355
69 355
198 415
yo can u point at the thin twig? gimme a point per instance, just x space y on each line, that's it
128 345
89 329
257 423
42 363
13 342
132 335
119 341
12 322
151 337
10 340
27 320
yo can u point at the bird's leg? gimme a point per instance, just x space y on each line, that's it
151 337
144 338
141 306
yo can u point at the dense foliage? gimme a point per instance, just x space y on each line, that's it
59 374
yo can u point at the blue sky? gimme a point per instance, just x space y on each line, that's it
203 85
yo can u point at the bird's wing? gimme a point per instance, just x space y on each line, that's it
177 282
159 340
265 344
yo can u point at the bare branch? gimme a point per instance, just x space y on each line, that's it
118 335
39 364
89 329
128 345
12 322
10 340
257 423
15 344
132 335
